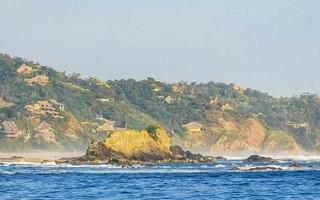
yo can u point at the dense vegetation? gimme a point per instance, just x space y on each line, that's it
142 103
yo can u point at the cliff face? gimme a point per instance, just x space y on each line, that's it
228 137
246 138
130 147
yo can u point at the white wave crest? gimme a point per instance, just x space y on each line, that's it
7 172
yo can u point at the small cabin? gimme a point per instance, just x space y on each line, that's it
59 105
4 104
214 100
45 131
156 88
193 127
10 129
45 106
99 83
297 125
226 107
169 100
239 88
177 88
105 101
35 109
99 117
40 80
24 69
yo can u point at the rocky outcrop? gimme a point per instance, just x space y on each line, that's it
257 158
178 154
134 147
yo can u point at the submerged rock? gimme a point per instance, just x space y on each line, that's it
296 165
300 165
135 147
259 168
221 158
257 158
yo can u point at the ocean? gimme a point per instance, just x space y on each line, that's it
233 179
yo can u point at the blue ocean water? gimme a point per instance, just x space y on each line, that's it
222 180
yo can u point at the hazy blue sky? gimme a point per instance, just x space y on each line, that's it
270 45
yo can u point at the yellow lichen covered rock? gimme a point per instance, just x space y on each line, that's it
133 143
131 147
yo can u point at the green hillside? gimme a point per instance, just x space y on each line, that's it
229 117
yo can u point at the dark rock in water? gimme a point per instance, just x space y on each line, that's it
142 147
99 153
178 152
296 165
300 165
220 158
264 168
191 156
257 158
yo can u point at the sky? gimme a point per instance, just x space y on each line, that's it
270 45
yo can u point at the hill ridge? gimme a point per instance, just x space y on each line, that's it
232 118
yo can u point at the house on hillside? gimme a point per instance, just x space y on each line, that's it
93 125
49 109
156 88
45 132
43 108
193 127
177 88
99 117
59 105
106 100
24 69
35 109
4 104
10 129
99 83
40 80
296 125
239 88
214 100
168 100
226 107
